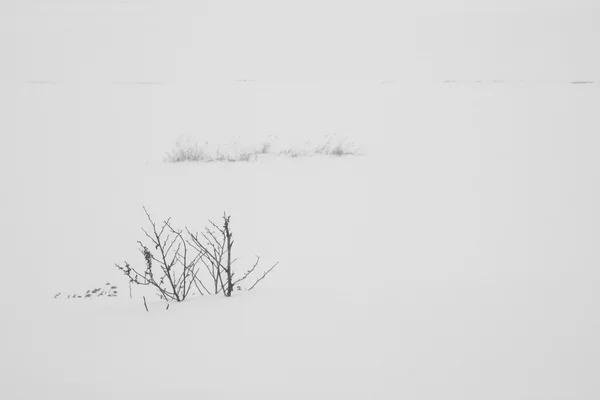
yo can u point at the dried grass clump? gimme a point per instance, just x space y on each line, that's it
186 151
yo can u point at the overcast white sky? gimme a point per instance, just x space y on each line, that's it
179 41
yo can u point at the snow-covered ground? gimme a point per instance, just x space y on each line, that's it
455 259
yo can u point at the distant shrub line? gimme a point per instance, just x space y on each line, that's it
185 151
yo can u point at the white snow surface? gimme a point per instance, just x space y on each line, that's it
456 258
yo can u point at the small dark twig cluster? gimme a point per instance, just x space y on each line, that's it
174 264
108 290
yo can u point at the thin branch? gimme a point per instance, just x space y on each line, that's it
263 277
248 272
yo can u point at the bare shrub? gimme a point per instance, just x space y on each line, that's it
246 156
340 148
173 270
187 152
265 148
214 246
176 270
